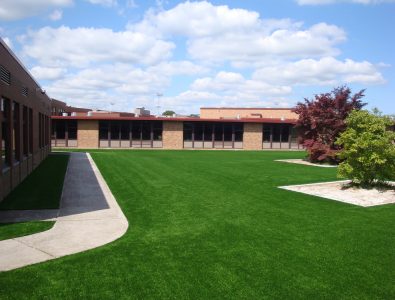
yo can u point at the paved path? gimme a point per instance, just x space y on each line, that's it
89 217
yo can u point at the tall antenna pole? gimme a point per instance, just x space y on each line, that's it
158 95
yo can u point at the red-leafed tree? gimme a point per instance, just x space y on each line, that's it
321 120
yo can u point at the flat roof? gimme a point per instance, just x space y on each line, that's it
172 119
248 108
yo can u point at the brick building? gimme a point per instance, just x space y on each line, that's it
25 112
251 130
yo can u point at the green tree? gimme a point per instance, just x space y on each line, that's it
368 148
168 113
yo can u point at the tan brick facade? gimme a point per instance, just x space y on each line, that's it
172 135
227 113
88 134
252 137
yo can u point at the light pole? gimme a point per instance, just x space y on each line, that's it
158 95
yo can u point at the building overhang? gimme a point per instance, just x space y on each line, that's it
171 119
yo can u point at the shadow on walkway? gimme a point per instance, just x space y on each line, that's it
88 217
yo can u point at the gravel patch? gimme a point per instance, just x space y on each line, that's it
339 191
303 162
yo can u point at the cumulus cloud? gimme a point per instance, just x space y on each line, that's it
18 9
43 73
127 85
227 56
325 71
235 83
219 33
321 2
79 47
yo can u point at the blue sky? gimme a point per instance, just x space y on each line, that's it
116 54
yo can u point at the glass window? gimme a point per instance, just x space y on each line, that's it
158 129
60 129
72 129
115 130
103 130
227 132
285 133
146 130
208 132
5 138
198 131
30 130
25 131
125 127
239 130
15 132
276 132
136 130
218 130
188 128
267 129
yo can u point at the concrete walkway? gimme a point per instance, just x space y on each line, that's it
89 217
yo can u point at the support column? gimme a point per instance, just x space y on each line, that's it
173 135
88 133
252 136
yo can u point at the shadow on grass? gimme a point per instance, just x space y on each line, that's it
42 189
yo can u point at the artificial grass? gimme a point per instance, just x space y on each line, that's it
214 225
42 189
14 230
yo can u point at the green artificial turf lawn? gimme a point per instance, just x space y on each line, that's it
214 225
13 230
42 189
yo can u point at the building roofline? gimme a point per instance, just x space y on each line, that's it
242 120
248 108
19 62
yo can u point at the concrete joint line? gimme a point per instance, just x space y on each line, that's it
19 241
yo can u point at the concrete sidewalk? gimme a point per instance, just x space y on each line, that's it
89 217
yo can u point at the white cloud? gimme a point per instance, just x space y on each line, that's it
326 71
321 2
319 40
80 47
201 19
174 68
56 15
107 3
231 83
216 45
124 84
42 73
18 9
219 33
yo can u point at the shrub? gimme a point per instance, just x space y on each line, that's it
368 149
321 120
